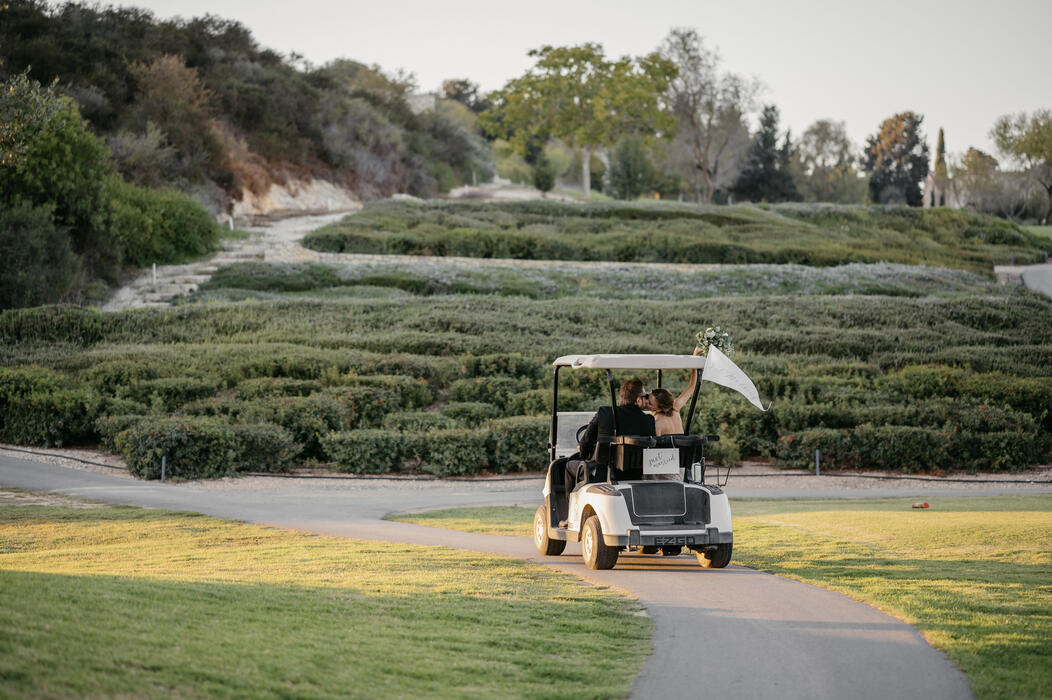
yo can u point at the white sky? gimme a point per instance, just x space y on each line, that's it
960 63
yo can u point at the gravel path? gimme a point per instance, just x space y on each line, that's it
272 240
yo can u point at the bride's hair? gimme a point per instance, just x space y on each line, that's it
664 403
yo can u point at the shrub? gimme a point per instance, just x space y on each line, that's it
62 323
172 392
518 444
537 402
307 418
159 226
512 364
470 413
277 386
453 452
40 266
203 448
368 403
412 393
38 407
365 451
109 427
495 390
274 277
417 421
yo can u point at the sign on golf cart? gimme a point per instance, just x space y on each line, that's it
659 461
629 492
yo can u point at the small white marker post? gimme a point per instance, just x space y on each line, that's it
164 463
818 468
155 274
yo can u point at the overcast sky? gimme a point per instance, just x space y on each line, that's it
959 63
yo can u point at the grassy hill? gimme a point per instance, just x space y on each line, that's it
819 235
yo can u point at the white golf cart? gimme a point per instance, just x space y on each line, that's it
612 507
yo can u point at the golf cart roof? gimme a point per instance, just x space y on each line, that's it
631 361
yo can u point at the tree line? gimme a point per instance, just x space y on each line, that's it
675 122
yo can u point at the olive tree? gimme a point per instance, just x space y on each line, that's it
1028 141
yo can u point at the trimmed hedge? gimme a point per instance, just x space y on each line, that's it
470 413
909 448
307 418
203 447
171 392
38 407
366 451
417 421
517 444
453 452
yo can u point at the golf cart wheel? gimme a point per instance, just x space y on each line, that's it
717 559
671 551
597 555
545 545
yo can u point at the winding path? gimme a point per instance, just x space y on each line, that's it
735 633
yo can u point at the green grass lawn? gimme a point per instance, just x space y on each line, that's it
973 574
111 601
1044 233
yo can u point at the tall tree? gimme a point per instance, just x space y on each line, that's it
975 179
766 176
1028 141
896 158
942 176
574 93
825 165
710 108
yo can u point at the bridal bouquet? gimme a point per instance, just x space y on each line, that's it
716 338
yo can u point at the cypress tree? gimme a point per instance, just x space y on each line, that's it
766 176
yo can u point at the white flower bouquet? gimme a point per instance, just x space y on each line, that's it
715 337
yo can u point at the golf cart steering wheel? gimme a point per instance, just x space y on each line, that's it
579 431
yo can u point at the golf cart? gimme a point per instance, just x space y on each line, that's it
612 507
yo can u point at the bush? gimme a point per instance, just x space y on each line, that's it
470 413
109 427
365 451
277 386
171 392
62 323
307 418
453 452
40 266
274 277
512 364
412 393
159 226
203 448
538 402
37 407
494 390
417 421
518 444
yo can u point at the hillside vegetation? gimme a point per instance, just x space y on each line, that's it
455 384
198 104
666 232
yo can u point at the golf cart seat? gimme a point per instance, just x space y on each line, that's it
690 447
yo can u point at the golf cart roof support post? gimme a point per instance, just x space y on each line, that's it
693 403
659 379
553 430
613 400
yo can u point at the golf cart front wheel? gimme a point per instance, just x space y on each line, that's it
596 553
716 559
545 545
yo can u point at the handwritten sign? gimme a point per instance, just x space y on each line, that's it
661 461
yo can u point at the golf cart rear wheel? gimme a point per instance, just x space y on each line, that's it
671 551
716 559
545 545
597 555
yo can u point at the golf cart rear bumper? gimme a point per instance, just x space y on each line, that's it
669 537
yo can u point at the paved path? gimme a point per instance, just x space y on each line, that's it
735 633
1035 277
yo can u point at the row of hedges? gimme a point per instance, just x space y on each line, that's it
503 445
213 446
681 234
911 448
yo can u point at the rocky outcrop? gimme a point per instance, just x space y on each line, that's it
295 196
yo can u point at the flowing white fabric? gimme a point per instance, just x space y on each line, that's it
721 370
